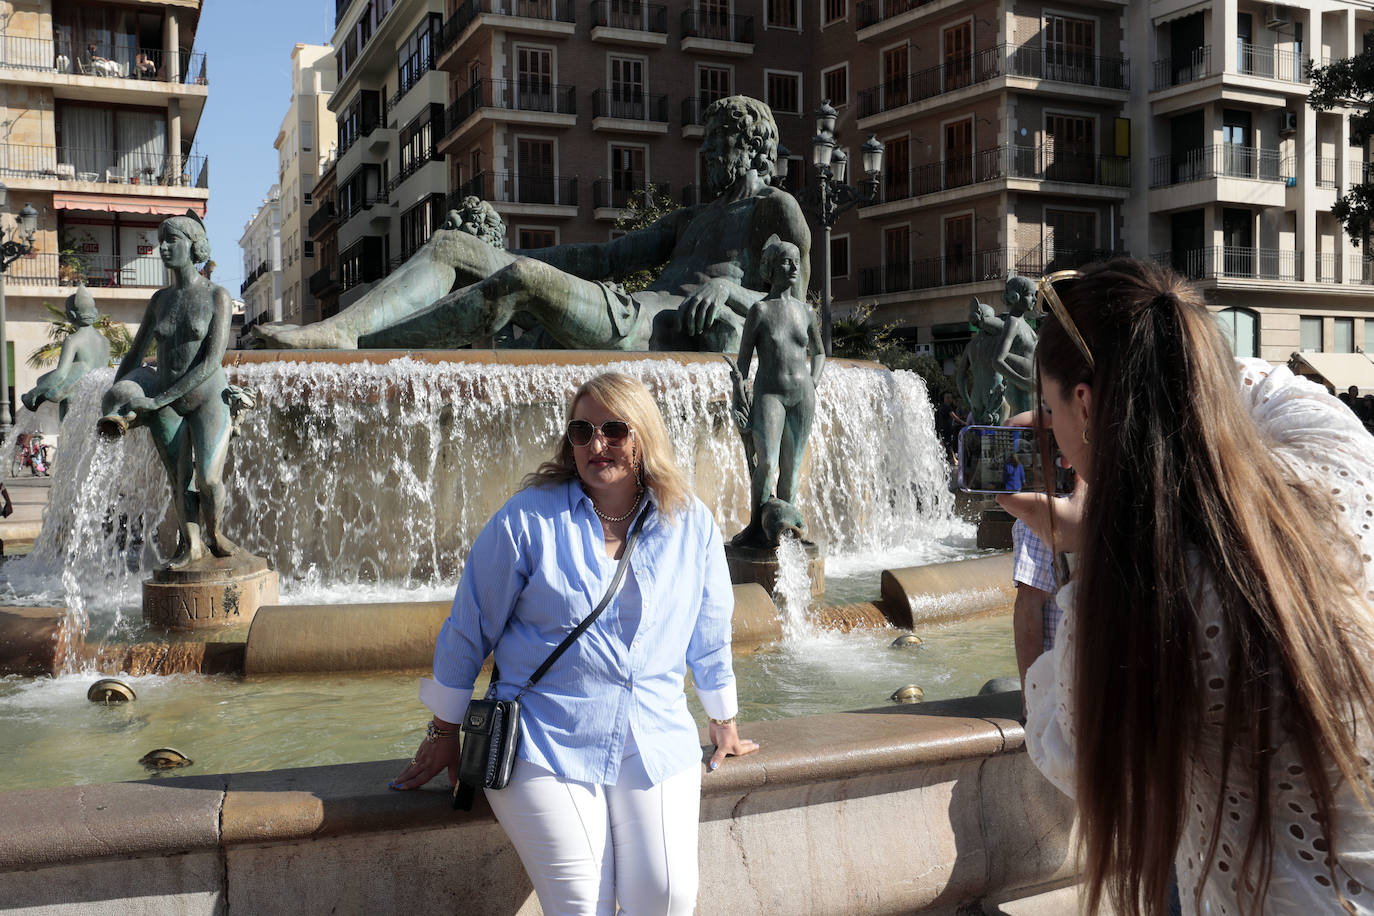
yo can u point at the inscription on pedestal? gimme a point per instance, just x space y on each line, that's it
209 601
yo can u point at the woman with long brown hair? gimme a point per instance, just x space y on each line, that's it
1208 698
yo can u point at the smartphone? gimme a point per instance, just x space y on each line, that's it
1008 459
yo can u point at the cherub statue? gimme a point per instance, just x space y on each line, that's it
83 350
981 383
783 329
1015 353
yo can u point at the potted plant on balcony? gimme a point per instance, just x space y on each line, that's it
71 266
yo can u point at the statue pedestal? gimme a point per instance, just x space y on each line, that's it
760 564
994 528
211 592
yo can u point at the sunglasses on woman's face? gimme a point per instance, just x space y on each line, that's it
581 432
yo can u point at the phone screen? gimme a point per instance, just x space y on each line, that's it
1007 459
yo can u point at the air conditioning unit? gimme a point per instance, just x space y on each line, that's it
1277 16
1288 122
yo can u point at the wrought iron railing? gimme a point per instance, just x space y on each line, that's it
513 95
1182 68
637 106
1222 160
872 12
518 188
1041 163
717 26
409 73
50 269
606 194
105 166
973 267
322 218
1326 172
1234 262
547 10
1270 62
636 17
106 59
323 280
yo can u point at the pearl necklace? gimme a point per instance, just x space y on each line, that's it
639 494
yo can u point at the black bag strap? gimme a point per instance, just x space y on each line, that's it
590 618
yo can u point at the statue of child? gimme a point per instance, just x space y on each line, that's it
83 350
783 329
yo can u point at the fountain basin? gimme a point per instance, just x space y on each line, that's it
894 810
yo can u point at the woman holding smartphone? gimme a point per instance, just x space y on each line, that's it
1209 694
604 800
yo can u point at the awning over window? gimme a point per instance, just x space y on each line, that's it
1188 10
1339 370
117 203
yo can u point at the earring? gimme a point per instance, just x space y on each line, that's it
1086 440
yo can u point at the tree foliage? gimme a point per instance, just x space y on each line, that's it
642 210
59 329
859 336
1349 82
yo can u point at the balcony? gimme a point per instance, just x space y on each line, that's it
94 270
519 194
263 268
639 113
547 18
409 166
513 101
1027 62
327 215
984 265
105 61
1327 168
610 201
1225 160
717 33
1271 63
639 25
323 281
1034 163
1359 173
872 12
1233 262
409 74
102 166
694 116
1181 69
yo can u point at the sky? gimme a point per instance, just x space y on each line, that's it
247 45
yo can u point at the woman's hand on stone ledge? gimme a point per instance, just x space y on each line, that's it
728 743
432 757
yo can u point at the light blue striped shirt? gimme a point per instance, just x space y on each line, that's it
539 567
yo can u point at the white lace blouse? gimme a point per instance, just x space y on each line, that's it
1322 441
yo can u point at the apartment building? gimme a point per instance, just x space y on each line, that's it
323 231
264 279
390 185
1021 137
308 132
100 103
1241 173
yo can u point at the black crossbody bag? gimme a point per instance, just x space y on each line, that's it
491 727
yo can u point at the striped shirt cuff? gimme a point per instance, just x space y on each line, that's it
447 703
720 703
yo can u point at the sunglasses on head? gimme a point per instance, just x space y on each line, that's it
581 432
1045 294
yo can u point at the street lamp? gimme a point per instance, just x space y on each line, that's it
11 250
831 197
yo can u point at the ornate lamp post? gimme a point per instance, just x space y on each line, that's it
11 250
831 197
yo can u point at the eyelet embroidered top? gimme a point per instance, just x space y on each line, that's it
1322 441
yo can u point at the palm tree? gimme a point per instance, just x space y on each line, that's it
60 329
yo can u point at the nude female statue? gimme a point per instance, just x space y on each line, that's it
186 402
83 350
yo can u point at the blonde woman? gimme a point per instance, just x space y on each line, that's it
1208 697
604 801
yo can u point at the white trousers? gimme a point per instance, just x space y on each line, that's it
585 846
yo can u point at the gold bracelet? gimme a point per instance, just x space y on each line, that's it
729 721
433 732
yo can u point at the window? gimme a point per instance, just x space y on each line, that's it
627 88
958 57
959 248
1368 334
417 140
712 83
1310 334
415 56
1343 336
1069 148
959 153
308 249
308 198
782 14
796 178
1240 327
1070 49
897 258
534 174
1069 236
419 222
834 10
783 91
897 168
307 136
835 85
532 237
895 77
839 256
534 78
627 173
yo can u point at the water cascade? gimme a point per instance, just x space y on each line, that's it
369 480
